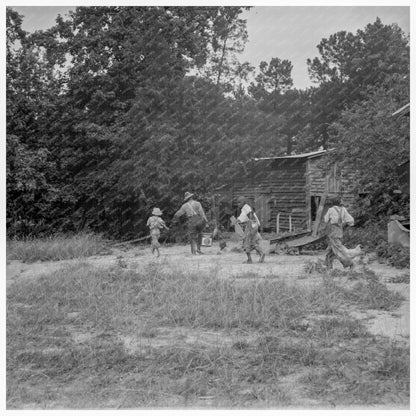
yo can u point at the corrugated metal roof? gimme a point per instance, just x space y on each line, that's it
299 156
403 110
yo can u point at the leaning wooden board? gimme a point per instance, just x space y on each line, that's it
303 241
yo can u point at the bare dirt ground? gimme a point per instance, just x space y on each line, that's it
228 265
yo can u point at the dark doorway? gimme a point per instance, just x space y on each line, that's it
315 201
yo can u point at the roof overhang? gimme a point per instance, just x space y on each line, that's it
402 111
299 156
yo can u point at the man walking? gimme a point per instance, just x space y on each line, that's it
196 221
250 224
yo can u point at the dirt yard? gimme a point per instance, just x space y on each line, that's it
227 265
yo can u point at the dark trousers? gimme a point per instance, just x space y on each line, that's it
195 226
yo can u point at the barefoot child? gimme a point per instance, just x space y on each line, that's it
155 224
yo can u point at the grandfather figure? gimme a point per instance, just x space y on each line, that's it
196 221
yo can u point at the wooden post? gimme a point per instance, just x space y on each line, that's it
290 223
277 223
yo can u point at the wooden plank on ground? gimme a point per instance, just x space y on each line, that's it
303 241
131 241
289 235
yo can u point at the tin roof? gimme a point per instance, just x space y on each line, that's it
309 155
403 110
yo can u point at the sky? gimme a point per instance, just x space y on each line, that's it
291 33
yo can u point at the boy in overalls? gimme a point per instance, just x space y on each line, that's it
250 224
336 217
155 224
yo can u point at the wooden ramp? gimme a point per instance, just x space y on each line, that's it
280 239
303 241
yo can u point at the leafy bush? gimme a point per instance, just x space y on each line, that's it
369 236
394 254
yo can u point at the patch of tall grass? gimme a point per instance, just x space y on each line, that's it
334 349
373 373
54 248
117 297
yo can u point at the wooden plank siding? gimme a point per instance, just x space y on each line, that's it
331 180
288 186
281 185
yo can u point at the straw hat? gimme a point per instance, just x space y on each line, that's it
188 195
156 211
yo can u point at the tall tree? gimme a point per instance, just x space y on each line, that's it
32 91
347 65
133 126
275 77
271 90
367 138
229 36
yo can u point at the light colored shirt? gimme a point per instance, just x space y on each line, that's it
155 222
244 216
336 214
190 209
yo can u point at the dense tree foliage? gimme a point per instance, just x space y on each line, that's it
347 65
117 109
368 138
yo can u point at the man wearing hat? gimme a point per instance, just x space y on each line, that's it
196 221
155 224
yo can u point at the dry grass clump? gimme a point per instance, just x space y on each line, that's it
374 295
366 291
373 373
54 248
401 278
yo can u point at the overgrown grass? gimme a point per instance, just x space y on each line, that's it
402 278
54 248
65 343
366 291
372 374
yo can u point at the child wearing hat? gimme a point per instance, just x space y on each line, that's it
155 224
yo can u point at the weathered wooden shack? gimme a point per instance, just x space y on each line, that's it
286 191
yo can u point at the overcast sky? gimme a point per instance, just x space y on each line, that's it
274 31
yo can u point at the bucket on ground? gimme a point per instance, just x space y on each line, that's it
206 240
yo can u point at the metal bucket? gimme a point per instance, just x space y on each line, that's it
206 239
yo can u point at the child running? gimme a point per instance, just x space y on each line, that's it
155 224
